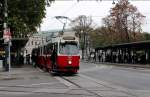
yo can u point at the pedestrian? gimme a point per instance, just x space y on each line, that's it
53 58
34 58
99 58
94 58
21 59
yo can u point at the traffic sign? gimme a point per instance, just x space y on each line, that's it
7 35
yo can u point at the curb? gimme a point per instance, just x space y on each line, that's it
121 64
129 65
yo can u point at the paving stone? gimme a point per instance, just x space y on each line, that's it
113 94
17 89
79 92
13 93
102 88
142 93
50 91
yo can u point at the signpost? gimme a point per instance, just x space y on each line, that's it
7 38
7 35
7 42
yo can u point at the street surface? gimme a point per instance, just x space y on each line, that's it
134 80
93 80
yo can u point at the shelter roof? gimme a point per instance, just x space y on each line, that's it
136 45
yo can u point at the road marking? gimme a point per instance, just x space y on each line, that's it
37 84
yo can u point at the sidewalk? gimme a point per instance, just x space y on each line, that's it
128 65
28 81
14 73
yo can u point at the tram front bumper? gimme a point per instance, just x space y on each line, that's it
69 68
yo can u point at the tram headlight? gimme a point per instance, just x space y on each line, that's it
69 62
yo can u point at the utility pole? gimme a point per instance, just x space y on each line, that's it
83 43
6 37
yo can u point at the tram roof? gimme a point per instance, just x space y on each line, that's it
137 45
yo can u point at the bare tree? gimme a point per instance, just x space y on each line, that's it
82 26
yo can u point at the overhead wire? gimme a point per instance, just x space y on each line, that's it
70 8
76 3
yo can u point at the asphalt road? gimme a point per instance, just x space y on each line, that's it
135 79
126 77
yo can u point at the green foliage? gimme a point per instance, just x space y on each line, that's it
146 36
24 16
1 18
101 37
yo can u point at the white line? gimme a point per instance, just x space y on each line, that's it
37 84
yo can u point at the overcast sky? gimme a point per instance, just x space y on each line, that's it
97 10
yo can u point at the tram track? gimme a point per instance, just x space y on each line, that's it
78 86
73 82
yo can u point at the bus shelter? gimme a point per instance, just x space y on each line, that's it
133 53
16 45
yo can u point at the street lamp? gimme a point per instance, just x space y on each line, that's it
7 38
83 40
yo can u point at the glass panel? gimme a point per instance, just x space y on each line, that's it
69 48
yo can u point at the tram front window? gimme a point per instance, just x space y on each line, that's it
69 49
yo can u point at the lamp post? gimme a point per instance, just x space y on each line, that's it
83 40
7 37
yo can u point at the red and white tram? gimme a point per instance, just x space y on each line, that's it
61 54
